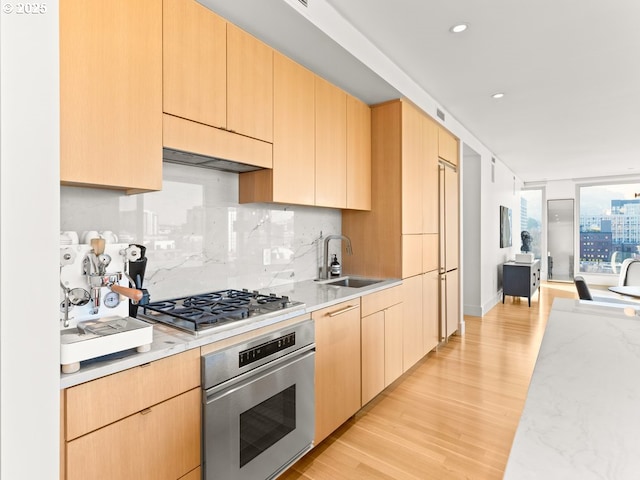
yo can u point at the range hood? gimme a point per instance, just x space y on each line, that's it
172 155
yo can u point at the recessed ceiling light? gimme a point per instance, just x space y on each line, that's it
459 28
497 95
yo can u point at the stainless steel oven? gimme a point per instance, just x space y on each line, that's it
258 405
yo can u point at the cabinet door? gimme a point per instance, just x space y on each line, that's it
412 178
452 302
451 219
249 85
449 216
393 317
447 146
373 355
194 63
430 310
111 94
330 145
293 132
337 376
412 323
358 154
430 176
161 442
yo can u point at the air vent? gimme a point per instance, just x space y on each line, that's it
180 157
440 114
493 170
304 2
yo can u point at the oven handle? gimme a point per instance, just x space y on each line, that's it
257 373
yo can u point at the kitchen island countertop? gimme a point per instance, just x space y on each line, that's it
581 418
169 341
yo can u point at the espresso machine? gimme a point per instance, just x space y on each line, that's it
98 301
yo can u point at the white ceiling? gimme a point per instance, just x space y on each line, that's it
570 70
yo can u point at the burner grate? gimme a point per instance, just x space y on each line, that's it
204 311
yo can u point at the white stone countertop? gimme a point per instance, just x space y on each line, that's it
169 341
581 419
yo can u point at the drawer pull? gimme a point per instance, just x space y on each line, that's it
145 411
342 310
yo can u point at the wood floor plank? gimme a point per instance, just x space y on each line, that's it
451 416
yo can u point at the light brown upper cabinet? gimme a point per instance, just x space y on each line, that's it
401 239
194 63
217 87
429 176
447 146
330 145
321 144
293 132
358 154
411 149
343 149
249 85
111 94
292 179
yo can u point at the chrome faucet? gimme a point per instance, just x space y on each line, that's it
324 270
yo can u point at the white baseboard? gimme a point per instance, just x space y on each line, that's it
480 310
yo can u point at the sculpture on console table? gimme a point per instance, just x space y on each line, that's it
526 241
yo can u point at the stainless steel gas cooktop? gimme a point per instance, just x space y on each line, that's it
210 312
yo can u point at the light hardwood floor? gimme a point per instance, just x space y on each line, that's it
454 414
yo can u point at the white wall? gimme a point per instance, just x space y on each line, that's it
472 240
29 253
484 193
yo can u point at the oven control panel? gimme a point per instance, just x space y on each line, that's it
228 364
247 357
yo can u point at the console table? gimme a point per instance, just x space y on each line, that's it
521 279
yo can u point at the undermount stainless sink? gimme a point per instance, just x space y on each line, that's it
351 282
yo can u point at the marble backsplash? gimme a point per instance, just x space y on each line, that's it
199 238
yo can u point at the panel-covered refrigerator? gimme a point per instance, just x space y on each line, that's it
449 250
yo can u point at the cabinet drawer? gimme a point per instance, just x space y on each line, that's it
159 443
94 404
188 136
375 302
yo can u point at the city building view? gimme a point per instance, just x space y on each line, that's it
609 227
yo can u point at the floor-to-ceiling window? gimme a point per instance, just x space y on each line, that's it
609 226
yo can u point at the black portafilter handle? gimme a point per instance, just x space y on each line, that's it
136 272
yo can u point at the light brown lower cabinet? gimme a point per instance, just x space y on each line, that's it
337 374
141 423
412 325
393 343
430 310
160 442
372 356
381 341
